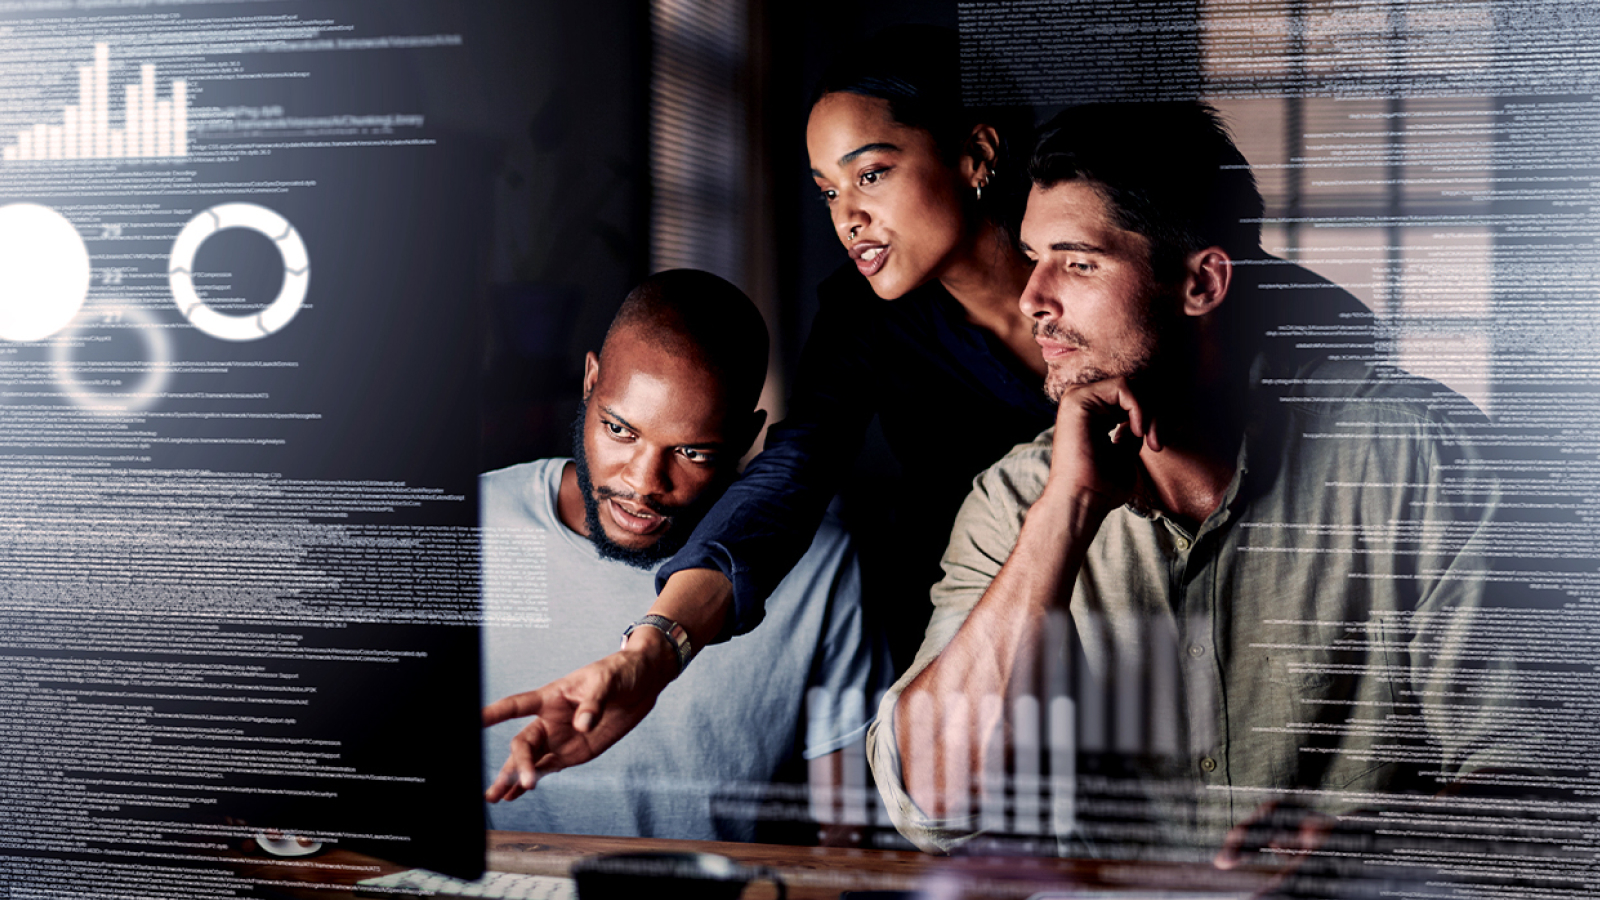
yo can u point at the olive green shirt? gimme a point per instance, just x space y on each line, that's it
1316 637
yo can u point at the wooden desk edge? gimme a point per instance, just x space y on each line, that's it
840 869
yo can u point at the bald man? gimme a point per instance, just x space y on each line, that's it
570 547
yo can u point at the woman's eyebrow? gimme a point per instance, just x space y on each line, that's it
866 148
846 159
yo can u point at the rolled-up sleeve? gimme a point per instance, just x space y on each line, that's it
981 540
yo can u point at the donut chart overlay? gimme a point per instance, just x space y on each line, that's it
254 326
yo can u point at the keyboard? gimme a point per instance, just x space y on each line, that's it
497 885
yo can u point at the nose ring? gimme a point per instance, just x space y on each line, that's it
853 230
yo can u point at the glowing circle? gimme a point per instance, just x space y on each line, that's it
44 272
296 271
150 388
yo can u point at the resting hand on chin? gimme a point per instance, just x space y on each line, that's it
1100 428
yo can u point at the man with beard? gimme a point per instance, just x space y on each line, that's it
1241 561
569 552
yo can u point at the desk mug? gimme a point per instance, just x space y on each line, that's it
667 876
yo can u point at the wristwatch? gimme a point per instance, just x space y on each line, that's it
673 631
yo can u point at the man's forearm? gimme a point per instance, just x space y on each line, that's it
998 642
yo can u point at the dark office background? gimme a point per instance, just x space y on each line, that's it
595 134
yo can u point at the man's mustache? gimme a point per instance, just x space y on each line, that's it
601 492
1060 334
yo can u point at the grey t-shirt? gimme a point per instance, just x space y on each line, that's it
746 714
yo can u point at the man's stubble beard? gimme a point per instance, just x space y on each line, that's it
680 520
1157 331
1129 363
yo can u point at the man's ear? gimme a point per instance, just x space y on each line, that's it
591 373
978 154
1207 276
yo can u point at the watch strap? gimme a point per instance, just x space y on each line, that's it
676 635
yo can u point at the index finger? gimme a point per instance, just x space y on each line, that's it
516 706
516 777
1116 391
1129 402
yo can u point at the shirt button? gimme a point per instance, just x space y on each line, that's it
1208 764
1196 651
1181 543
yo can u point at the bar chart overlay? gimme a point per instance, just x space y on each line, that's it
152 126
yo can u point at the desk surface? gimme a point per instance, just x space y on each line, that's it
811 873
821 873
